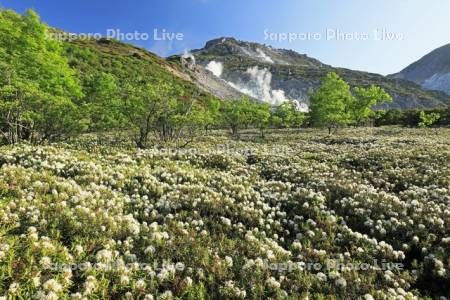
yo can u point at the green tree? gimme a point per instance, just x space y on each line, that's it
261 116
237 114
38 89
286 115
428 119
330 105
102 102
363 101
141 106
212 114
160 107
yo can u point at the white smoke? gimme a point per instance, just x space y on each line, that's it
261 80
264 56
258 87
301 106
278 96
187 54
242 89
215 67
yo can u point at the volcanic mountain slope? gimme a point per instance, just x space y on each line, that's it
274 75
92 57
431 71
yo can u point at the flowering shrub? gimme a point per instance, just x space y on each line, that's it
360 215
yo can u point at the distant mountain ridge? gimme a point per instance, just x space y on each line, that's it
431 71
274 75
227 46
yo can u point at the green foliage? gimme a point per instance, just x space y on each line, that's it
236 114
287 115
411 118
242 113
334 105
37 88
111 86
428 119
330 105
160 107
364 100
102 102
211 115
261 116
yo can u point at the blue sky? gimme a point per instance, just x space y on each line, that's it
416 26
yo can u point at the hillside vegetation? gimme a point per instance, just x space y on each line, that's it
55 89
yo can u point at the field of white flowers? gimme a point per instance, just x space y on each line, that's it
363 214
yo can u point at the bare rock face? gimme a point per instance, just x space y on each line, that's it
214 85
439 82
188 62
432 71
206 80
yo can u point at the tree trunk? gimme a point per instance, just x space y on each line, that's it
141 141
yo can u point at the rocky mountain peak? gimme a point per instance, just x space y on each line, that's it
431 71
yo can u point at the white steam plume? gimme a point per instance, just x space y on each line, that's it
264 56
261 80
258 87
188 54
215 67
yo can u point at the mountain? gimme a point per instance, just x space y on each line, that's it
228 69
431 71
93 57
274 75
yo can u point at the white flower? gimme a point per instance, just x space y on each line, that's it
167 295
273 283
149 250
45 262
226 221
188 281
79 249
297 246
333 274
13 288
104 256
36 281
229 261
51 296
140 284
368 297
441 272
341 282
124 280
52 285
90 285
